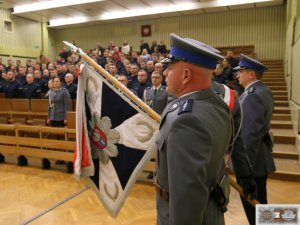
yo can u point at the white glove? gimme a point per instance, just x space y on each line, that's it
138 132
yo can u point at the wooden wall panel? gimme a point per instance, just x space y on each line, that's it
262 27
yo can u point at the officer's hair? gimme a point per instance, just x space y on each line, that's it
142 70
69 75
56 77
122 75
258 75
156 72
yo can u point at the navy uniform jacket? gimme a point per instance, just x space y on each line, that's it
221 79
72 89
156 101
2 85
133 83
13 89
22 79
32 90
43 84
189 159
59 104
239 158
257 104
141 88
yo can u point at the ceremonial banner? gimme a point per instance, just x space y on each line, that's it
114 139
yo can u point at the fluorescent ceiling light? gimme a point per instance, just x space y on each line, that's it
151 11
49 5
148 11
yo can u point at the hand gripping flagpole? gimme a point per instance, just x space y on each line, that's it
117 85
139 103
239 189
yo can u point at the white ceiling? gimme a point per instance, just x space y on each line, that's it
94 10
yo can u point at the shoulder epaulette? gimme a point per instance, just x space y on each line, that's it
251 90
174 106
186 106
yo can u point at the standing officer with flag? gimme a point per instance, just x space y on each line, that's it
257 104
190 161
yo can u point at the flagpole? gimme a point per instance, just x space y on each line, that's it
239 189
115 82
141 104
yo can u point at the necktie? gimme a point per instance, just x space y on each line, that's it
155 90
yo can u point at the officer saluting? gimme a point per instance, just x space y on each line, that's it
257 104
189 160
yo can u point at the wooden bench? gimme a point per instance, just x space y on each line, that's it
71 124
5 111
55 143
20 110
14 141
24 111
39 110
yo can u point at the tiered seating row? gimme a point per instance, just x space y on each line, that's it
25 111
37 141
245 49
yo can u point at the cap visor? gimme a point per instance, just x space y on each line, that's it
237 68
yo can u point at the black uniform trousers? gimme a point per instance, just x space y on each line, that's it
261 183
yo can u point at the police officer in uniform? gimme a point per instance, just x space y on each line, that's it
31 89
40 81
257 105
12 88
70 85
239 161
156 96
189 160
59 104
3 81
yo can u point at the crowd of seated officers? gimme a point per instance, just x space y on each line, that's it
141 72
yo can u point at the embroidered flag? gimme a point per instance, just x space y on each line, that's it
114 139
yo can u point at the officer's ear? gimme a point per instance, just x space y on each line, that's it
186 76
252 75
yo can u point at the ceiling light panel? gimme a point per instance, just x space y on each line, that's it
116 10
49 5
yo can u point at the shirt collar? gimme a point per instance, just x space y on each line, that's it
156 87
187 94
247 87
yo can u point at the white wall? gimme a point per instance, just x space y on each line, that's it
25 40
